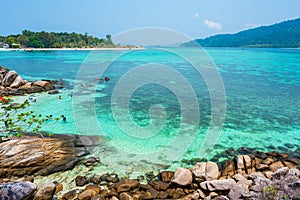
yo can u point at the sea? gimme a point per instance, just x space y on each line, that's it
161 108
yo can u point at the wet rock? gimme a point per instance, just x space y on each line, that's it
206 171
59 187
126 185
46 192
228 168
17 190
166 176
81 180
182 177
96 188
90 161
113 178
267 161
86 195
159 185
125 196
218 185
53 92
151 194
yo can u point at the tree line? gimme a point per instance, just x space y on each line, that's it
55 40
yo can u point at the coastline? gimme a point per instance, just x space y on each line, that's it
73 49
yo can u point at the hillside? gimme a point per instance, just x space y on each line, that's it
281 35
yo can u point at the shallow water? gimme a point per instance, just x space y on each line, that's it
262 94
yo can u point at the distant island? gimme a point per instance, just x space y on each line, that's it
281 35
47 40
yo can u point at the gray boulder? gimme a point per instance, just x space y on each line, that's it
182 177
17 190
9 78
17 82
206 171
218 185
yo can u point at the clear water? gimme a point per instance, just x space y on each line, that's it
262 93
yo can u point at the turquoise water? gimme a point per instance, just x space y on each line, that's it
262 100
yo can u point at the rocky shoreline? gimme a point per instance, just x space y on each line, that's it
12 84
255 175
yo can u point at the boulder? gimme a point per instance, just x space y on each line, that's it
125 196
17 82
218 185
166 176
9 78
46 192
44 84
81 180
26 86
33 155
126 185
17 190
86 195
206 171
276 165
182 177
70 195
228 168
159 185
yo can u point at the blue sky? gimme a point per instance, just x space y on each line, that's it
195 18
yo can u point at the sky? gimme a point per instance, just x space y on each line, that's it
194 18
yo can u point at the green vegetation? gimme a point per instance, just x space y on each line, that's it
282 35
55 40
16 121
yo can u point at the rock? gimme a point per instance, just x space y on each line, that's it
242 181
96 188
178 193
151 194
255 175
236 192
17 190
267 161
86 195
222 197
182 177
260 184
46 192
159 185
81 181
90 161
9 78
218 185
276 165
269 174
44 84
113 178
34 155
70 195
126 185
228 168
162 195
53 92
17 82
262 167
26 86
206 171
166 176
280 172
59 187
125 196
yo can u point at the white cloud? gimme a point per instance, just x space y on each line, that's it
212 24
196 15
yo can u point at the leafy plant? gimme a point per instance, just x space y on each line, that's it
15 120
270 193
